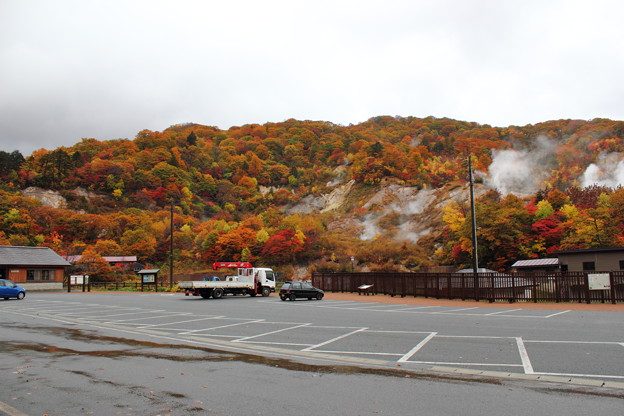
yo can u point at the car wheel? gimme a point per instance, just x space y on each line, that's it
319 296
217 293
283 297
21 295
293 296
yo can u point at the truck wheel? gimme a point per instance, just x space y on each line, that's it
205 294
266 291
217 293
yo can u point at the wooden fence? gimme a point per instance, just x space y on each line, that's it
605 287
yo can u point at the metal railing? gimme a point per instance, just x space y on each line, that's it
494 287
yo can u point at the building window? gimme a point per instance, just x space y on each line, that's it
39 275
589 266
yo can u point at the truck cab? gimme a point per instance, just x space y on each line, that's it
264 277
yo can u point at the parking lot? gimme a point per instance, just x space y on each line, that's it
585 346
166 354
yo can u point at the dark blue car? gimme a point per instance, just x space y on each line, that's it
8 289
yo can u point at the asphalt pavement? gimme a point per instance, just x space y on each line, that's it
167 354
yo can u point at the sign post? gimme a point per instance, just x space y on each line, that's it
149 277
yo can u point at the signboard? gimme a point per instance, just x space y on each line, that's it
78 279
599 281
149 278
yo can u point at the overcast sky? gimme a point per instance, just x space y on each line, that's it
109 69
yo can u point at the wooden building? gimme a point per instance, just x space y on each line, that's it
34 268
593 259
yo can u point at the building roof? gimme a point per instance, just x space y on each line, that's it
479 270
110 259
591 250
30 256
148 271
536 263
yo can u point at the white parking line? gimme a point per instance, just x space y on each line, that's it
524 356
371 307
335 339
580 375
433 310
96 310
182 322
502 312
411 308
360 353
269 333
465 364
221 326
556 314
457 310
130 321
130 312
417 347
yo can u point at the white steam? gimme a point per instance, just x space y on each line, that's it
607 171
521 172
405 201
370 228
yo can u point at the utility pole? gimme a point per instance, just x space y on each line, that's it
475 259
171 249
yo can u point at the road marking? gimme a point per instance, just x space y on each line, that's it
457 310
269 333
182 322
524 356
503 311
418 310
417 347
556 314
465 364
371 307
131 320
360 352
335 339
536 341
411 309
580 375
222 326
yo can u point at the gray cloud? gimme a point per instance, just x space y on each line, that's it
108 69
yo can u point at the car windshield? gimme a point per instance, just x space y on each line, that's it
307 286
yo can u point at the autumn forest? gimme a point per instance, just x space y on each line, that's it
391 192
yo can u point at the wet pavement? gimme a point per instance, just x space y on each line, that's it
148 355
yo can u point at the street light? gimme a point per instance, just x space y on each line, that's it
352 264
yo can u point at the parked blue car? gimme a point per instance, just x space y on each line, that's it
8 289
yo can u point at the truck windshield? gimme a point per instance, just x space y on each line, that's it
269 275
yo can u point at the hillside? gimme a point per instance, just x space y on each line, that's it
391 192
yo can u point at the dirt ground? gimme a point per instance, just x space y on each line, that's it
469 303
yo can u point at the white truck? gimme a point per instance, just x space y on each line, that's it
248 281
